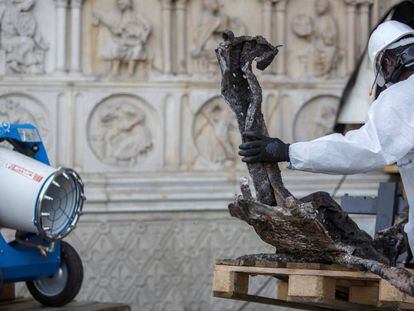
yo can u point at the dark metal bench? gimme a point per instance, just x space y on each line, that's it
386 206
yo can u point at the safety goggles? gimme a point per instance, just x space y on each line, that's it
405 59
379 73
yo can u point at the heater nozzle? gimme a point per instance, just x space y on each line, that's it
60 204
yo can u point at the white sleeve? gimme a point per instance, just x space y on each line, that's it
386 137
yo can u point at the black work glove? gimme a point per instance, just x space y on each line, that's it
260 148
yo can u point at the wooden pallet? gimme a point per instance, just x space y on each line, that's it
310 286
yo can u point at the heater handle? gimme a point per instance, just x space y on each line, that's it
25 139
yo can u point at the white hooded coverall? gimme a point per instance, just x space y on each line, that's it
386 137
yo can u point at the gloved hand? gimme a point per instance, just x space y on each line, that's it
261 148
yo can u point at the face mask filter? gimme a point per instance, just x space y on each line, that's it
403 61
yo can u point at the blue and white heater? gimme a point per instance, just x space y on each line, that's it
38 198
43 204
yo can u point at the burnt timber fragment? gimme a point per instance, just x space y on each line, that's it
311 229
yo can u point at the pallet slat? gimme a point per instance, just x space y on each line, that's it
391 297
270 301
366 295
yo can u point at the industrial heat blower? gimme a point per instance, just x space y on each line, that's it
43 205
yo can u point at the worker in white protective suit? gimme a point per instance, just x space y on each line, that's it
386 137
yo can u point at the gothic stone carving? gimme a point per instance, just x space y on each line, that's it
321 56
316 118
118 133
23 109
130 32
22 45
209 33
216 134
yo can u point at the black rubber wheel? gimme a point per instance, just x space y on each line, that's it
61 288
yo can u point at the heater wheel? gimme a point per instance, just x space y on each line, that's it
62 287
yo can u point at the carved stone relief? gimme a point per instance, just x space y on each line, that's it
23 47
130 32
321 55
118 131
125 259
215 133
316 118
209 33
23 109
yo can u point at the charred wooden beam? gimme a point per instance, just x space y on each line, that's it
313 229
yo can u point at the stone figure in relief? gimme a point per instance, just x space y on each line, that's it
322 54
19 109
316 118
130 31
324 125
215 133
118 133
209 33
302 25
23 45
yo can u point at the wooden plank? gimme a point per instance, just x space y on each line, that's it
305 288
346 275
270 301
302 265
32 305
297 305
366 295
230 282
5 305
316 266
347 306
350 283
75 306
388 293
249 263
95 307
389 296
7 292
20 306
391 169
282 290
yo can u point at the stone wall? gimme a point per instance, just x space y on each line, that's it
127 93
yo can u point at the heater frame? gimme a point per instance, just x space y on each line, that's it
19 263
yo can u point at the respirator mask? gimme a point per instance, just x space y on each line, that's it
397 64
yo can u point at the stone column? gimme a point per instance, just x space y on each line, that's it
364 12
281 36
267 19
60 13
267 16
75 55
181 10
351 33
166 10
